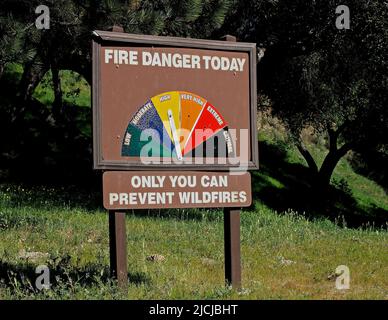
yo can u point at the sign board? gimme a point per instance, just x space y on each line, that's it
171 103
166 189
176 110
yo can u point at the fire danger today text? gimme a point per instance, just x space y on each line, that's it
165 190
173 60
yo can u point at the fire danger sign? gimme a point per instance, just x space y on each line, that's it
162 103
148 190
174 126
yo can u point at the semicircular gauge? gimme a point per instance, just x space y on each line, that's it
177 124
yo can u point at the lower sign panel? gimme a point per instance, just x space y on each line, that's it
152 190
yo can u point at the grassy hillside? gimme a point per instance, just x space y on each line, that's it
291 246
284 255
284 181
75 89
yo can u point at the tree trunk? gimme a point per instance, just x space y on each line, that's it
309 158
321 178
328 166
31 77
57 104
326 170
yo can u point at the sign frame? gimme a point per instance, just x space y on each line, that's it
118 38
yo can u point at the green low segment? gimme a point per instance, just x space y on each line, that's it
148 145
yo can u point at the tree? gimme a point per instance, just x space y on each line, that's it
12 42
334 81
66 45
59 137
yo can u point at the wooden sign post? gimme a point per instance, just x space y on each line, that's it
232 247
232 243
174 126
138 190
118 247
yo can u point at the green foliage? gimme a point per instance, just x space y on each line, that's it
12 73
188 18
12 41
283 182
45 116
318 75
67 45
343 185
332 81
75 89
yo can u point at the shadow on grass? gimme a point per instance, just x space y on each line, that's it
181 214
372 164
279 184
21 276
50 196
282 185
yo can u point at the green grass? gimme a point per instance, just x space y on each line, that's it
13 72
367 193
75 89
70 227
284 181
75 235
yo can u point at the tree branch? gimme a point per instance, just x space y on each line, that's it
334 134
308 157
333 138
345 148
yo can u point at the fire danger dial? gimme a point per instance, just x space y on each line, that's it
180 124
135 190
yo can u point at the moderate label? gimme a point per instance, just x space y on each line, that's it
148 190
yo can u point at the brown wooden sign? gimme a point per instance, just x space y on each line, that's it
172 103
149 189
177 110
